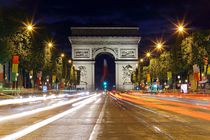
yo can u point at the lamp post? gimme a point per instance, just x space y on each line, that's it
69 70
140 69
48 59
63 70
48 53
180 30
30 28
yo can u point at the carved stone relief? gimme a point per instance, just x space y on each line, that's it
116 51
127 53
94 50
83 73
81 53
127 71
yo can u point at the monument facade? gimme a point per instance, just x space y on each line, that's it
120 42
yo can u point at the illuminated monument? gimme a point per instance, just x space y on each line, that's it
120 42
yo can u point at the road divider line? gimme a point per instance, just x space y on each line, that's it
38 125
99 120
38 110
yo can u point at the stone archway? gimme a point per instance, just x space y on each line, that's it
121 42
110 67
97 51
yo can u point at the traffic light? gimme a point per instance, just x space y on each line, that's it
105 84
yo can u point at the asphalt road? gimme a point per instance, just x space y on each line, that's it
107 117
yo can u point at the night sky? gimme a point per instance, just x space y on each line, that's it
154 17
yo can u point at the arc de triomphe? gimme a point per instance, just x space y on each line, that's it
120 42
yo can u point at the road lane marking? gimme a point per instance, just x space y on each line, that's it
27 113
38 125
99 120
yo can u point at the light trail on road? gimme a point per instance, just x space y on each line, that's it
27 113
33 99
187 112
108 117
169 102
38 125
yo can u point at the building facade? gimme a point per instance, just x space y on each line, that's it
120 42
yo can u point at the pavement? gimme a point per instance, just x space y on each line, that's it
114 116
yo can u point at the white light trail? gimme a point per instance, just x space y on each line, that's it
81 102
98 101
38 125
27 113
33 99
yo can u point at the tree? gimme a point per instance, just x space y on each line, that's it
199 52
165 63
154 68
187 53
12 37
77 82
207 48
176 57
158 67
5 52
21 46
8 25
145 71
134 75
196 49
72 75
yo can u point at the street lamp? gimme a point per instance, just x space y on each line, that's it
69 61
62 55
50 44
29 27
148 54
159 44
141 60
181 28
